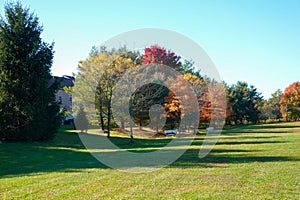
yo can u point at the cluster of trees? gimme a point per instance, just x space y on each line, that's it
28 109
112 65
244 103
270 109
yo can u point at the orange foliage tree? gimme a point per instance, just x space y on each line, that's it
290 102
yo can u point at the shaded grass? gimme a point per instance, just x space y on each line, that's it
248 162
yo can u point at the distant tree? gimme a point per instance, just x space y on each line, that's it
274 103
28 110
244 101
270 109
238 99
188 67
228 115
254 99
81 121
264 111
290 102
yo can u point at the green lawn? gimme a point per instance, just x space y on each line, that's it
250 162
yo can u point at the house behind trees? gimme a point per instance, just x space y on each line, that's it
62 96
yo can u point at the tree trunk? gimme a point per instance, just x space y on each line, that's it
122 124
108 122
130 116
140 125
101 119
131 132
108 118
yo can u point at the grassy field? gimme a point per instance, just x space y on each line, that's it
250 162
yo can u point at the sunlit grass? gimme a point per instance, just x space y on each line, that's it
248 162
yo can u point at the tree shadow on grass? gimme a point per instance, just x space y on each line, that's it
67 154
233 137
216 157
257 131
263 128
231 156
274 126
242 141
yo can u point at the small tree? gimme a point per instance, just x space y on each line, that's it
81 121
28 110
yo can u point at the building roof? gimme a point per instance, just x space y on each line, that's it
64 81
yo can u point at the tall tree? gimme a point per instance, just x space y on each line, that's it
28 110
156 93
254 98
290 102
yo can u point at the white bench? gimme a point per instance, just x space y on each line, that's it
210 128
171 132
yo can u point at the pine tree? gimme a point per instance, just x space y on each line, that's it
28 110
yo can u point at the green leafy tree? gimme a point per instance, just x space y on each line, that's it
274 102
270 109
28 110
96 80
264 111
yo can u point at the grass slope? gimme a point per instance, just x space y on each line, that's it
250 162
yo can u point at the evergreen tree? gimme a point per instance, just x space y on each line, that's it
244 103
28 110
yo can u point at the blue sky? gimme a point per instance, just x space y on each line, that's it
253 41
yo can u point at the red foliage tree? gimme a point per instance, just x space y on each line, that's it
159 55
290 102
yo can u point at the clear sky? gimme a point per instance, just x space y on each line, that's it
257 41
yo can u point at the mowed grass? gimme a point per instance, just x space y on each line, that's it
250 162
